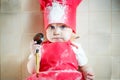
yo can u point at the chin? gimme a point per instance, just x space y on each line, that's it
57 41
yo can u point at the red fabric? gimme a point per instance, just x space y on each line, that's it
58 56
58 62
70 16
44 3
56 76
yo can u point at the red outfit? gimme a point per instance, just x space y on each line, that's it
58 62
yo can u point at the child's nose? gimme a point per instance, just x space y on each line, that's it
57 31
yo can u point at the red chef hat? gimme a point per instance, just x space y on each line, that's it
60 11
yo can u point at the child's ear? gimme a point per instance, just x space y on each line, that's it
74 37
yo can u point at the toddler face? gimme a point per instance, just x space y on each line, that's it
58 32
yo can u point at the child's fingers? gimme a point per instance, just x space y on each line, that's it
37 47
34 47
90 77
90 74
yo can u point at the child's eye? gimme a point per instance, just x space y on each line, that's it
52 27
62 27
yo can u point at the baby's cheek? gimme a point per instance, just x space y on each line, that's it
67 37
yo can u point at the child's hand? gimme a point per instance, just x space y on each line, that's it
89 75
87 72
34 47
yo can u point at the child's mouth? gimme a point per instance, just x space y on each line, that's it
57 39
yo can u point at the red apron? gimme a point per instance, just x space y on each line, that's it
58 62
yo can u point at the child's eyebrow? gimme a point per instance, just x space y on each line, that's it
64 25
50 25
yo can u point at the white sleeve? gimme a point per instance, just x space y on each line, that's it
80 55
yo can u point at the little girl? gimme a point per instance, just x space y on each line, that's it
60 59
